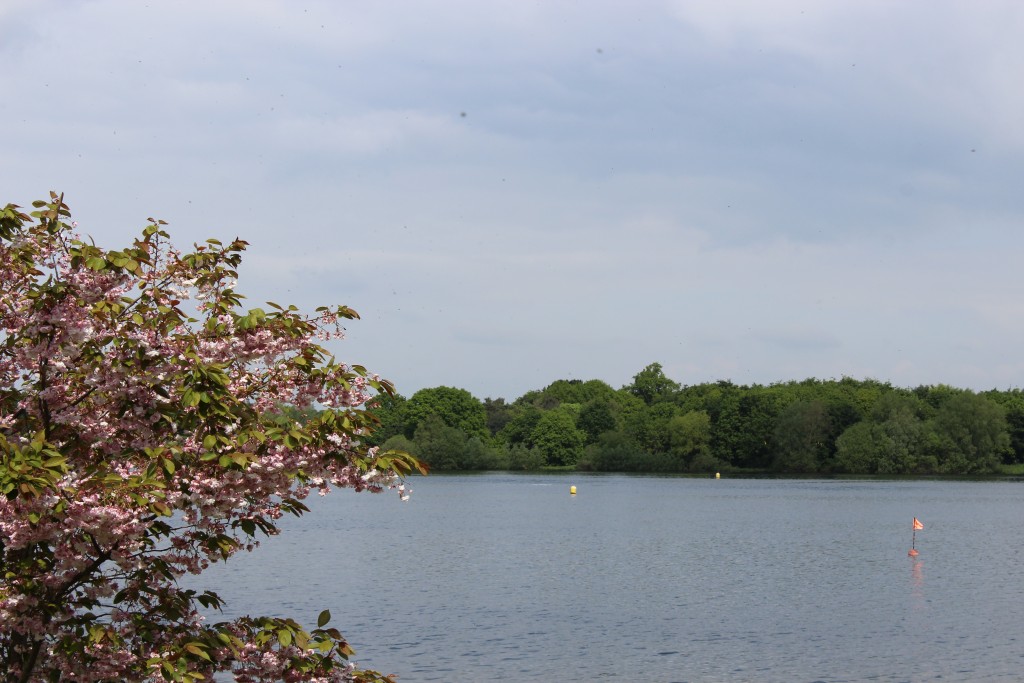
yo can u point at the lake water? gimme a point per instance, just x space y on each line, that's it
503 577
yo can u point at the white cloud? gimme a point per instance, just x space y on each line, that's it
758 191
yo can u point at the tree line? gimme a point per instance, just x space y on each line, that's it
655 424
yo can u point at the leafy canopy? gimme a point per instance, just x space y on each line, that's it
143 436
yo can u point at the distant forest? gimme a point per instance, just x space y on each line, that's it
657 425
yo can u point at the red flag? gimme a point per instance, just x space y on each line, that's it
917 525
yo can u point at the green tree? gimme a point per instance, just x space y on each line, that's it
901 444
498 413
456 407
596 417
971 434
399 442
519 430
899 425
443 447
899 403
478 454
649 425
557 437
389 411
616 452
857 449
573 391
802 437
1015 427
862 395
1013 404
519 457
438 444
690 439
651 384
893 446
936 395
743 421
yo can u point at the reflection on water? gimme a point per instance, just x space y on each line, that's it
917 582
509 578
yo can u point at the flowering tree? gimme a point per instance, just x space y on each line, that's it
143 435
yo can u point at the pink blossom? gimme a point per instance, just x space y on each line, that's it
145 403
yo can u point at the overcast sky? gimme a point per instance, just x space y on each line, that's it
516 192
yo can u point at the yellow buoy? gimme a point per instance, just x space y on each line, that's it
572 490
718 475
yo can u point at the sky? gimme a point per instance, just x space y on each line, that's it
516 192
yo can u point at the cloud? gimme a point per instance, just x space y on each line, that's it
923 58
360 135
755 191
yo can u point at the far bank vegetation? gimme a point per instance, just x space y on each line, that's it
656 425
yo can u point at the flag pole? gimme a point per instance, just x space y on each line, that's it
914 526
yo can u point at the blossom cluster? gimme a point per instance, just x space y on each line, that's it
147 430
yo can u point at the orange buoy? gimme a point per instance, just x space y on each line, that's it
912 552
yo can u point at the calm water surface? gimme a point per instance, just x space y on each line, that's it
503 577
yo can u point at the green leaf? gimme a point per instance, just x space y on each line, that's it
324 617
198 650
